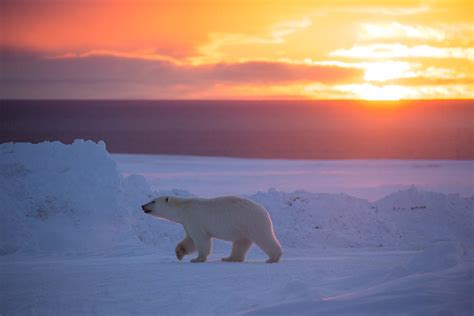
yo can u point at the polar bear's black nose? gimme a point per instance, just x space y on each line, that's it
144 209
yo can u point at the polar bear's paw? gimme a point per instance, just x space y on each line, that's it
274 259
180 252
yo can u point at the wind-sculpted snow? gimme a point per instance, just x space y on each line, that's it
58 197
404 219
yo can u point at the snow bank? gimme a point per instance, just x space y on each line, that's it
58 197
404 219
51 193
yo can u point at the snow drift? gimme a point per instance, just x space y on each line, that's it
58 197
404 219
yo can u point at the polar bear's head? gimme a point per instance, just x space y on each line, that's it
164 207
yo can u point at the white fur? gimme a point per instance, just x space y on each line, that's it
229 218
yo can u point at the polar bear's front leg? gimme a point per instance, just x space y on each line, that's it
203 245
185 247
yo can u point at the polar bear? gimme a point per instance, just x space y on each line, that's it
229 218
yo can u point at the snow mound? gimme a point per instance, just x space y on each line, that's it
421 218
304 219
58 197
71 198
50 190
405 219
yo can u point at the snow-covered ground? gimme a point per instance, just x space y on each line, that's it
73 240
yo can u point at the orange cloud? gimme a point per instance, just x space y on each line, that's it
377 51
212 51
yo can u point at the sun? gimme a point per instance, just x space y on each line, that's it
377 76
388 70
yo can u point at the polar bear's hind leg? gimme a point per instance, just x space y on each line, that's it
239 250
269 245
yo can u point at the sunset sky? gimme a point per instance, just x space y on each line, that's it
376 50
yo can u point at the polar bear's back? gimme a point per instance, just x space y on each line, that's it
228 217
236 205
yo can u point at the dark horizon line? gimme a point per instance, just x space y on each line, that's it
337 158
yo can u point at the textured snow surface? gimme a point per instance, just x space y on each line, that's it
74 241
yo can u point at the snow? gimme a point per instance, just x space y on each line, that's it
367 179
74 241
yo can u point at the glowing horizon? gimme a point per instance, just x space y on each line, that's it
237 49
